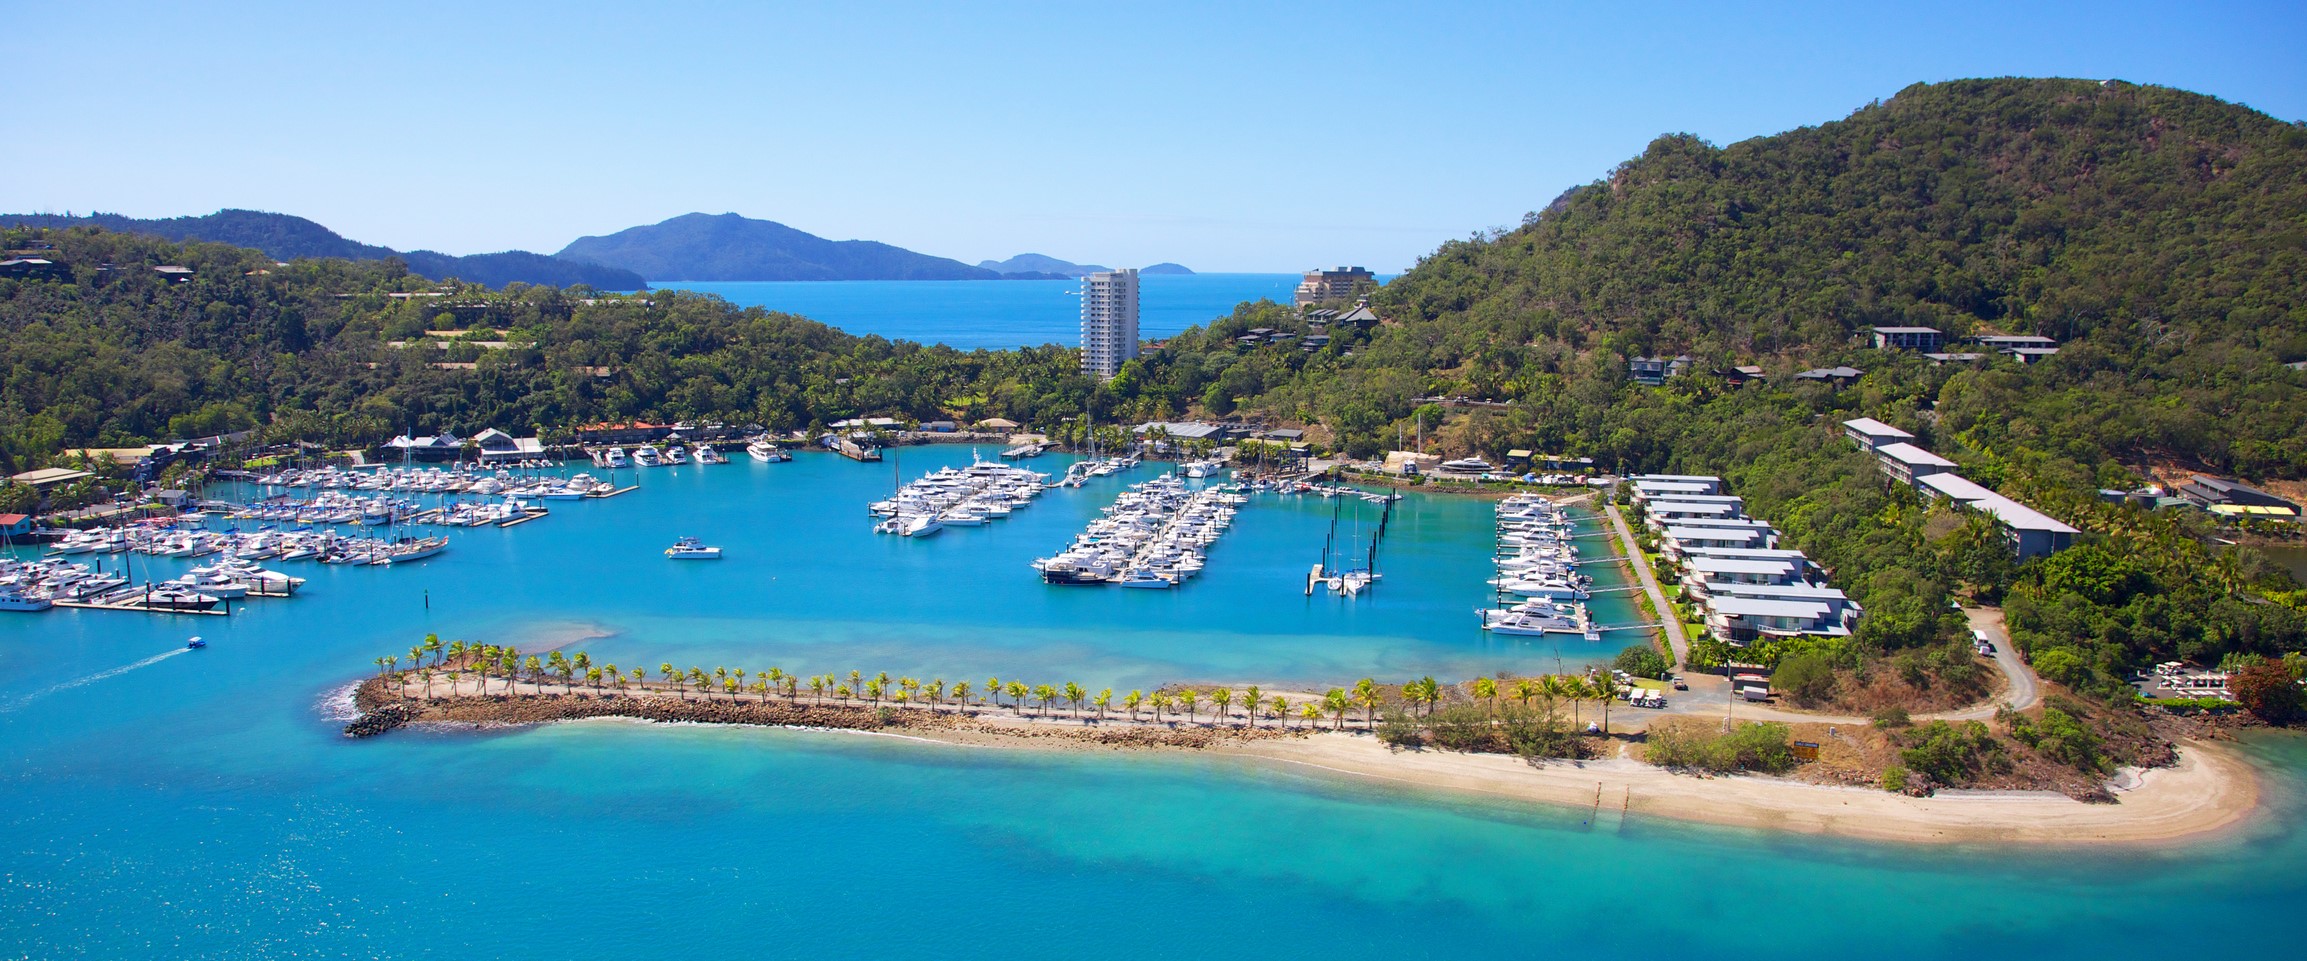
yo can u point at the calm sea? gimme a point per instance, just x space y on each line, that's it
204 805
968 314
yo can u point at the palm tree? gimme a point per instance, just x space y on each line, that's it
842 691
665 670
856 681
1281 707
456 650
936 692
1525 689
455 675
593 677
1311 712
616 677
1487 690
1104 701
1338 704
1411 693
993 690
640 676
739 674
817 687
534 667
382 666
961 693
1017 693
1189 697
1606 691
1157 700
565 670
427 675
729 685
1550 689
433 647
1224 699
1045 694
583 662
1076 694
1130 700
1367 695
1431 692
873 692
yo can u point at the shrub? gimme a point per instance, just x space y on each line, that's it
1463 727
1894 779
1952 754
1643 660
1399 729
1893 716
1806 677
1764 747
2268 691
2060 736
2062 666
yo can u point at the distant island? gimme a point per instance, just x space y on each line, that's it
1043 267
732 247
1040 267
286 237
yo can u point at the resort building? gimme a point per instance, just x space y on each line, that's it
1744 620
1679 541
2030 532
1108 322
1673 511
2009 341
1906 338
1336 283
1654 371
2230 499
1837 376
1676 483
1869 433
1906 463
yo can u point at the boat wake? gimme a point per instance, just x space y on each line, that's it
27 699
336 705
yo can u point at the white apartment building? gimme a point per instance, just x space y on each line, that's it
1108 322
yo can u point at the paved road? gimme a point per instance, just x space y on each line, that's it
1665 611
1710 695
2022 691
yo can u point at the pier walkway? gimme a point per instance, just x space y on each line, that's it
1665 611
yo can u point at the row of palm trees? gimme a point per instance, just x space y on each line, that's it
457 659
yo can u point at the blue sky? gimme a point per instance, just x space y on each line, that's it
1228 136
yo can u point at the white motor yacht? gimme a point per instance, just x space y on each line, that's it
692 549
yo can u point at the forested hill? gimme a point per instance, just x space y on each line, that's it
286 237
2064 208
2160 235
731 247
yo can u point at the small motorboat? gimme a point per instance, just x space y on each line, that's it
692 549
195 644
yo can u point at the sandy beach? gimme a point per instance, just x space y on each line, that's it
2210 789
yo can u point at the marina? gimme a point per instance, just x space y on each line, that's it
1538 572
1154 536
970 496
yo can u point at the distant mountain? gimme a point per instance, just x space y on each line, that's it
730 247
1041 265
1166 267
284 237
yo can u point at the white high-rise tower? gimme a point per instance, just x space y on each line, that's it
1108 322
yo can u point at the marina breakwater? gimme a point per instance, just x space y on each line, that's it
383 710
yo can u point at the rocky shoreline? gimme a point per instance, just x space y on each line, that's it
381 711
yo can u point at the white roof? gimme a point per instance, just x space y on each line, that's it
1906 330
1875 428
1911 455
1758 607
2011 513
1708 478
1748 552
1692 507
1728 565
1748 535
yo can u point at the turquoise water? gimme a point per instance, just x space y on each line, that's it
968 314
204 805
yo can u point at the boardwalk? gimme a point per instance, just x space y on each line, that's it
1665 611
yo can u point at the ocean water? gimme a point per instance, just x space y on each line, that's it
969 314
204 805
